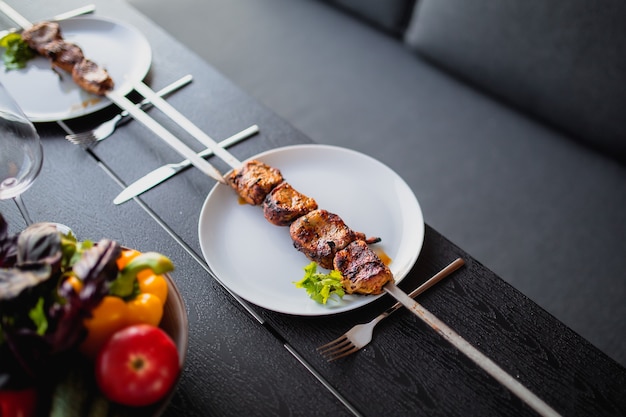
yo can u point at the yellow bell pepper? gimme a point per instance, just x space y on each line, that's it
136 296
144 308
151 283
108 317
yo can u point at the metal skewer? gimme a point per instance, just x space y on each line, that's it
479 358
143 118
63 16
150 123
186 124
12 14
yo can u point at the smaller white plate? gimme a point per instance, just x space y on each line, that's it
257 260
44 96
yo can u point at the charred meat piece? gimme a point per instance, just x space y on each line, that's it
40 34
46 38
362 271
253 181
64 55
92 78
320 234
284 204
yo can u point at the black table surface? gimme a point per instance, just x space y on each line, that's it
243 359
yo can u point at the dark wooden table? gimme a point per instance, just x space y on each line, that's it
245 360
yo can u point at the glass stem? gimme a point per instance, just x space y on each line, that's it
22 208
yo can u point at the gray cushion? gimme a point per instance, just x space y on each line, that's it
564 61
390 15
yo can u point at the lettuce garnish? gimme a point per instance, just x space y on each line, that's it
319 286
17 52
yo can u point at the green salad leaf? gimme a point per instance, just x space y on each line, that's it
319 286
38 315
17 52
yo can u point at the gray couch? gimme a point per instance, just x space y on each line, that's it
506 117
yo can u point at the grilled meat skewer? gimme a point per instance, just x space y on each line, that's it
64 55
253 181
40 34
46 38
92 78
362 271
284 204
319 235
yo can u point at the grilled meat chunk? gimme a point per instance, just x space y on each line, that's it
46 38
64 55
320 234
40 34
253 181
284 204
92 78
362 271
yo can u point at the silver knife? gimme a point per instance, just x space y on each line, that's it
163 173
63 16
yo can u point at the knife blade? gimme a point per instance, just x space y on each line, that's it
165 172
480 359
90 8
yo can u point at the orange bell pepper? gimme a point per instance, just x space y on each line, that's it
108 317
151 283
136 296
145 308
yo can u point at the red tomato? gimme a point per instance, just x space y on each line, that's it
137 366
18 403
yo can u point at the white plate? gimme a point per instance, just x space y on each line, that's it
257 260
46 97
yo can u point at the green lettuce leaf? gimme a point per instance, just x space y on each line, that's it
321 287
17 52
38 315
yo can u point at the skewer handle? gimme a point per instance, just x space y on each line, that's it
12 14
143 118
186 124
472 353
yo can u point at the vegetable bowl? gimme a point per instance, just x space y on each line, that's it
175 323
81 320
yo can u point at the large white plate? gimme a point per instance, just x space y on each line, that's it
46 97
257 260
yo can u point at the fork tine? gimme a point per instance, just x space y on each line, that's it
82 139
331 344
90 137
342 355
79 136
339 349
107 128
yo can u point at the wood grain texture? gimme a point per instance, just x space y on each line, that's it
433 378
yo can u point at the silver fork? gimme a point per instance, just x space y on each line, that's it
107 128
361 335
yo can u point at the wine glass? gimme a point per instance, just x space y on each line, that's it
21 153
